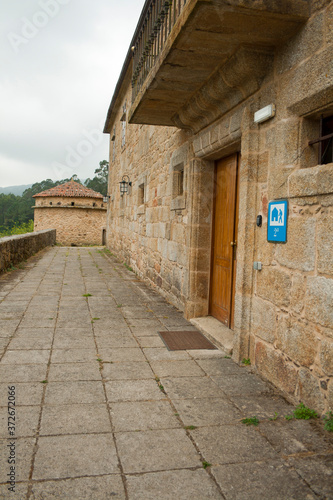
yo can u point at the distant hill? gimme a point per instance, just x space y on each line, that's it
17 190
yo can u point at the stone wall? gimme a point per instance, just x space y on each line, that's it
75 225
64 201
283 313
15 249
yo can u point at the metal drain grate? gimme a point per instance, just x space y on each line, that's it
185 340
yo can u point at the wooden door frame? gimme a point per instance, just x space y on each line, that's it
235 235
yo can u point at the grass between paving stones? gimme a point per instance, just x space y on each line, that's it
87 295
250 421
302 412
190 427
328 419
107 251
129 268
159 384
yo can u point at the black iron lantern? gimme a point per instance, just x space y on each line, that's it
124 184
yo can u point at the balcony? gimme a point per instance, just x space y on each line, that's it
195 59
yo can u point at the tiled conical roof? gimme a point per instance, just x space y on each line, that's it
70 189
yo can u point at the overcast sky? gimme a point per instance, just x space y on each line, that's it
60 61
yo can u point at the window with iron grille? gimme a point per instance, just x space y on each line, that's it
325 140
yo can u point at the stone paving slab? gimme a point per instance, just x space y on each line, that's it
63 372
84 488
133 390
227 443
75 456
207 412
59 393
168 450
104 410
195 485
26 421
74 419
143 415
264 481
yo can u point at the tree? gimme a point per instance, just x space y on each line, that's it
17 210
100 182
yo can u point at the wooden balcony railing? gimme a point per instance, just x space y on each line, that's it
156 26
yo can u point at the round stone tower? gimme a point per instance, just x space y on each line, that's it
76 212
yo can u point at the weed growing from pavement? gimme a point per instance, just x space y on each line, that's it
328 418
302 412
250 421
87 295
227 357
129 268
246 361
190 427
205 464
275 416
11 268
159 385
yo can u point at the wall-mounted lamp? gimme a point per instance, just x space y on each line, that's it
106 198
124 185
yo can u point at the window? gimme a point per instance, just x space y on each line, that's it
123 127
178 188
178 181
113 140
325 140
72 204
141 194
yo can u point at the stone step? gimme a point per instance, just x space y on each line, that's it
216 332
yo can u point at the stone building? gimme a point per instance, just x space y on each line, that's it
220 109
77 213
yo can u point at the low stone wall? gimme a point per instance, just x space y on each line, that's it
14 249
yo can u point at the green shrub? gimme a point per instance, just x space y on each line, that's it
25 227
302 412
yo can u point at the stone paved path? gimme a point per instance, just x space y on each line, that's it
104 410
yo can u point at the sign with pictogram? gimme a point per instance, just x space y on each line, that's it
277 221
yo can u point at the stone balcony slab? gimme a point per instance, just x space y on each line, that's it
213 49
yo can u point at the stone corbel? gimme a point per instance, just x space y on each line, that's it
233 82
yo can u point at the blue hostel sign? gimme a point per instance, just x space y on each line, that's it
277 221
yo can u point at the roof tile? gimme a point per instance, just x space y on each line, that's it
70 189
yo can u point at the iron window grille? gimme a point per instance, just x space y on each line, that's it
325 140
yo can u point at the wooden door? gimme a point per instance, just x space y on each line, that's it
223 267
